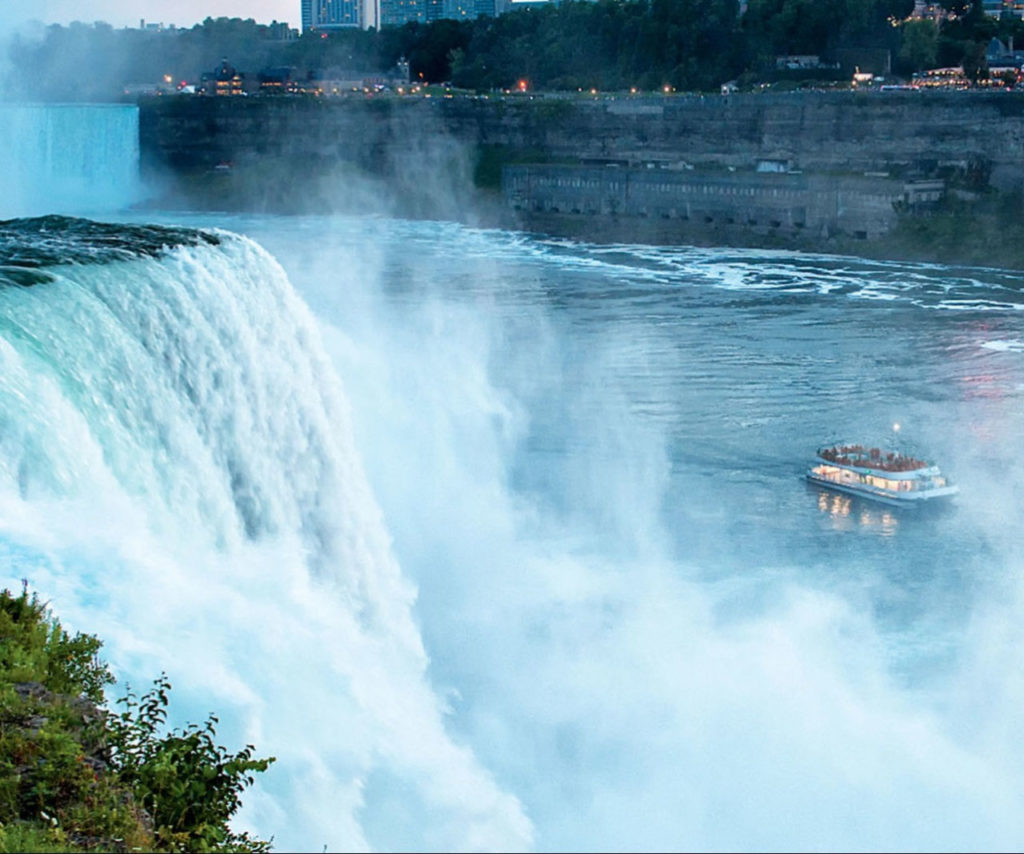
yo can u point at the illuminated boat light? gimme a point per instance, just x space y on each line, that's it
889 477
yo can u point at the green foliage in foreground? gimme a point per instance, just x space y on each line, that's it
75 776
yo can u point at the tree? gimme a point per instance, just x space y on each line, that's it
920 44
794 26
868 23
190 785
974 63
956 7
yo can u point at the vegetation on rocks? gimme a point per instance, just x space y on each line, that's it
78 776
985 232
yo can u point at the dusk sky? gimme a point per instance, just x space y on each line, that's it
121 13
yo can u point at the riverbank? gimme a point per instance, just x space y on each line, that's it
881 175
984 233
987 233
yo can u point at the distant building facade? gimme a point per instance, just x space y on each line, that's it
460 9
398 12
278 81
280 31
224 80
343 81
339 14
463 10
1004 8
156 27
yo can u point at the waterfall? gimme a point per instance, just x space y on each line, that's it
178 475
68 158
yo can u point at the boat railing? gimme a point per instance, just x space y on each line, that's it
859 456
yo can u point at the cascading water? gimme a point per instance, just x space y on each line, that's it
68 158
635 628
177 471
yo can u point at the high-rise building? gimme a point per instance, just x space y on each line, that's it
398 12
1003 8
334 14
460 9
339 14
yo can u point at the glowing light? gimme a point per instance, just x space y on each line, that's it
632 90
523 84
896 427
666 89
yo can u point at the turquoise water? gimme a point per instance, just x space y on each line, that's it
68 158
556 432
501 542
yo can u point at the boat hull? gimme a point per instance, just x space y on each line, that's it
940 495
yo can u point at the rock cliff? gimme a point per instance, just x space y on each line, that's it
847 162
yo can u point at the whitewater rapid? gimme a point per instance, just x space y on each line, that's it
500 543
177 475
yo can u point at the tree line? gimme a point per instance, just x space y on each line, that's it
690 45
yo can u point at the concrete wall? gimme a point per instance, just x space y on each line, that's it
816 205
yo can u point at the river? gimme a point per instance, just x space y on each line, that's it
498 541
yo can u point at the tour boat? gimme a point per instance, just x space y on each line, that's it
890 477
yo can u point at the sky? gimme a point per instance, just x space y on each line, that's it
124 13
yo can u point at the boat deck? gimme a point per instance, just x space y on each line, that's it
891 478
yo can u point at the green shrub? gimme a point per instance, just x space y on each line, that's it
75 776
190 785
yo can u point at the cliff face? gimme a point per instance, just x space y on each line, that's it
818 132
844 131
305 155
855 154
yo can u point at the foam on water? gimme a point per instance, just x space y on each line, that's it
1005 346
177 474
635 628
541 428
